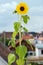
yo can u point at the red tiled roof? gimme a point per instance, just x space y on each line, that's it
40 38
23 38
27 37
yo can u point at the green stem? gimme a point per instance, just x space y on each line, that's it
20 37
20 31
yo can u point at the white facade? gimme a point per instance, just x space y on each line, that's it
39 50
31 53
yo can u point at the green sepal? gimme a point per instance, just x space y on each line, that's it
14 11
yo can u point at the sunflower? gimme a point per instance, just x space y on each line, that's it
22 8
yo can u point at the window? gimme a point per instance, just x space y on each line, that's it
31 53
41 51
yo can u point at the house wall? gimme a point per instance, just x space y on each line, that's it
38 52
29 53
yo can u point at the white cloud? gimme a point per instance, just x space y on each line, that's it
7 28
7 6
36 10
35 23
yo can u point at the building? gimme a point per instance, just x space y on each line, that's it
33 54
4 51
39 49
7 35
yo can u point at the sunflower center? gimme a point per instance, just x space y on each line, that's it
22 8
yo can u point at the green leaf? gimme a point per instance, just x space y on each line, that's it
17 26
28 42
21 51
25 18
9 43
25 29
20 62
13 39
14 34
13 43
29 64
11 58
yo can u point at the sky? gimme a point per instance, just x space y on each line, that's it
7 18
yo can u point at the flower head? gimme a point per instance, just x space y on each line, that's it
22 8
